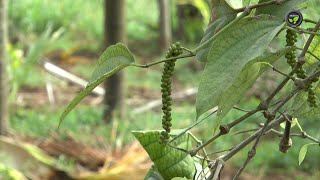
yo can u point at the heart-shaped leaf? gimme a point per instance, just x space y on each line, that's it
245 80
170 162
113 59
241 43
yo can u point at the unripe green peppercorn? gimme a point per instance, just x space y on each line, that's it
174 50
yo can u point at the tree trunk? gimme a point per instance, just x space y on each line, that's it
164 24
115 30
3 66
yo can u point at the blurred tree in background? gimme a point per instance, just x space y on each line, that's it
4 84
114 31
165 36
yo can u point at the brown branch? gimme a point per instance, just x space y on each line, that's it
309 52
247 141
300 31
224 129
310 21
249 8
308 43
303 135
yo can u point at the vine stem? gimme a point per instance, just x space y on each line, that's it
300 30
252 151
224 130
308 43
162 61
198 122
309 52
302 135
268 3
310 21
227 127
188 50
282 73
247 141
301 61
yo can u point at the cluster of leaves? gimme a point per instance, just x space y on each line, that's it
235 52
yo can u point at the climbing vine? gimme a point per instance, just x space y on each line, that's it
236 51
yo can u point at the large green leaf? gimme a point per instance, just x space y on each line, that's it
279 11
169 161
222 14
113 59
230 52
245 80
300 107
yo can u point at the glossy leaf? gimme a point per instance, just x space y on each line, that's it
279 11
303 151
169 161
113 59
245 80
222 14
243 42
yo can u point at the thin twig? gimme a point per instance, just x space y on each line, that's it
189 128
275 103
245 131
224 130
241 109
303 135
247 141
268 3
188 50
310 21
308 43
312 76
284 74
242 167
285 100
162 61
242 118
309 52
252 151
300 30
301 61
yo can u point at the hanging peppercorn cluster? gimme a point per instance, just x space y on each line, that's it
166 81
312 98
291 39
